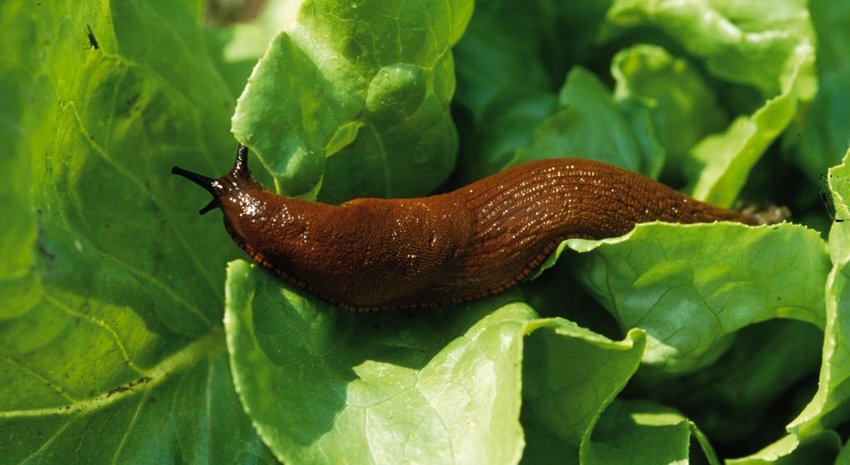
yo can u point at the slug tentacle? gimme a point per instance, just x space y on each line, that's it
240 165
374 254
234 180
209 184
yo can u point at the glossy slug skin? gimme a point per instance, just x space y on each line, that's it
481 239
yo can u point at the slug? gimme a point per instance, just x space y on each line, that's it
375 254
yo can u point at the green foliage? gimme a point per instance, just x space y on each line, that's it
393 388
355 99
702 278
110 334
126 337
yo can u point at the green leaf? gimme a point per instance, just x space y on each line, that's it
510 63
366 84
20 287
727 158
249 40
747 42
496 60
680 105
844 455
826 129
322 385
734 400
111 297
589 124
570 374
765 45
645 433
182 409
508 125
431 386
688 289
508 57
790 451
831 404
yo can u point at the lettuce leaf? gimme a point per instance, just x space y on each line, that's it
828 408
585 106
324 386
763 45
689 290
126 336
826 128
330 387
354 99
110 299
642 432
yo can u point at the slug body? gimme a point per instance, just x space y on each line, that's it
481 239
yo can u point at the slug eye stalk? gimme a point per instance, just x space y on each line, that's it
218 187
209 184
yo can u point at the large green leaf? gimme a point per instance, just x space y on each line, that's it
688 289
430 386
324 386
354 99
110 291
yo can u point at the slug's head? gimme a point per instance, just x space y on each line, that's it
237 180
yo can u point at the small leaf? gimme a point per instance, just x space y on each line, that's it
645 433
589 124
570 375
681 106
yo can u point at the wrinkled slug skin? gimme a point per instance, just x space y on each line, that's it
481 239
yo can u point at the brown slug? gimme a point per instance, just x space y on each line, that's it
481 239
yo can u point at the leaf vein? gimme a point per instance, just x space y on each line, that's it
100 324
